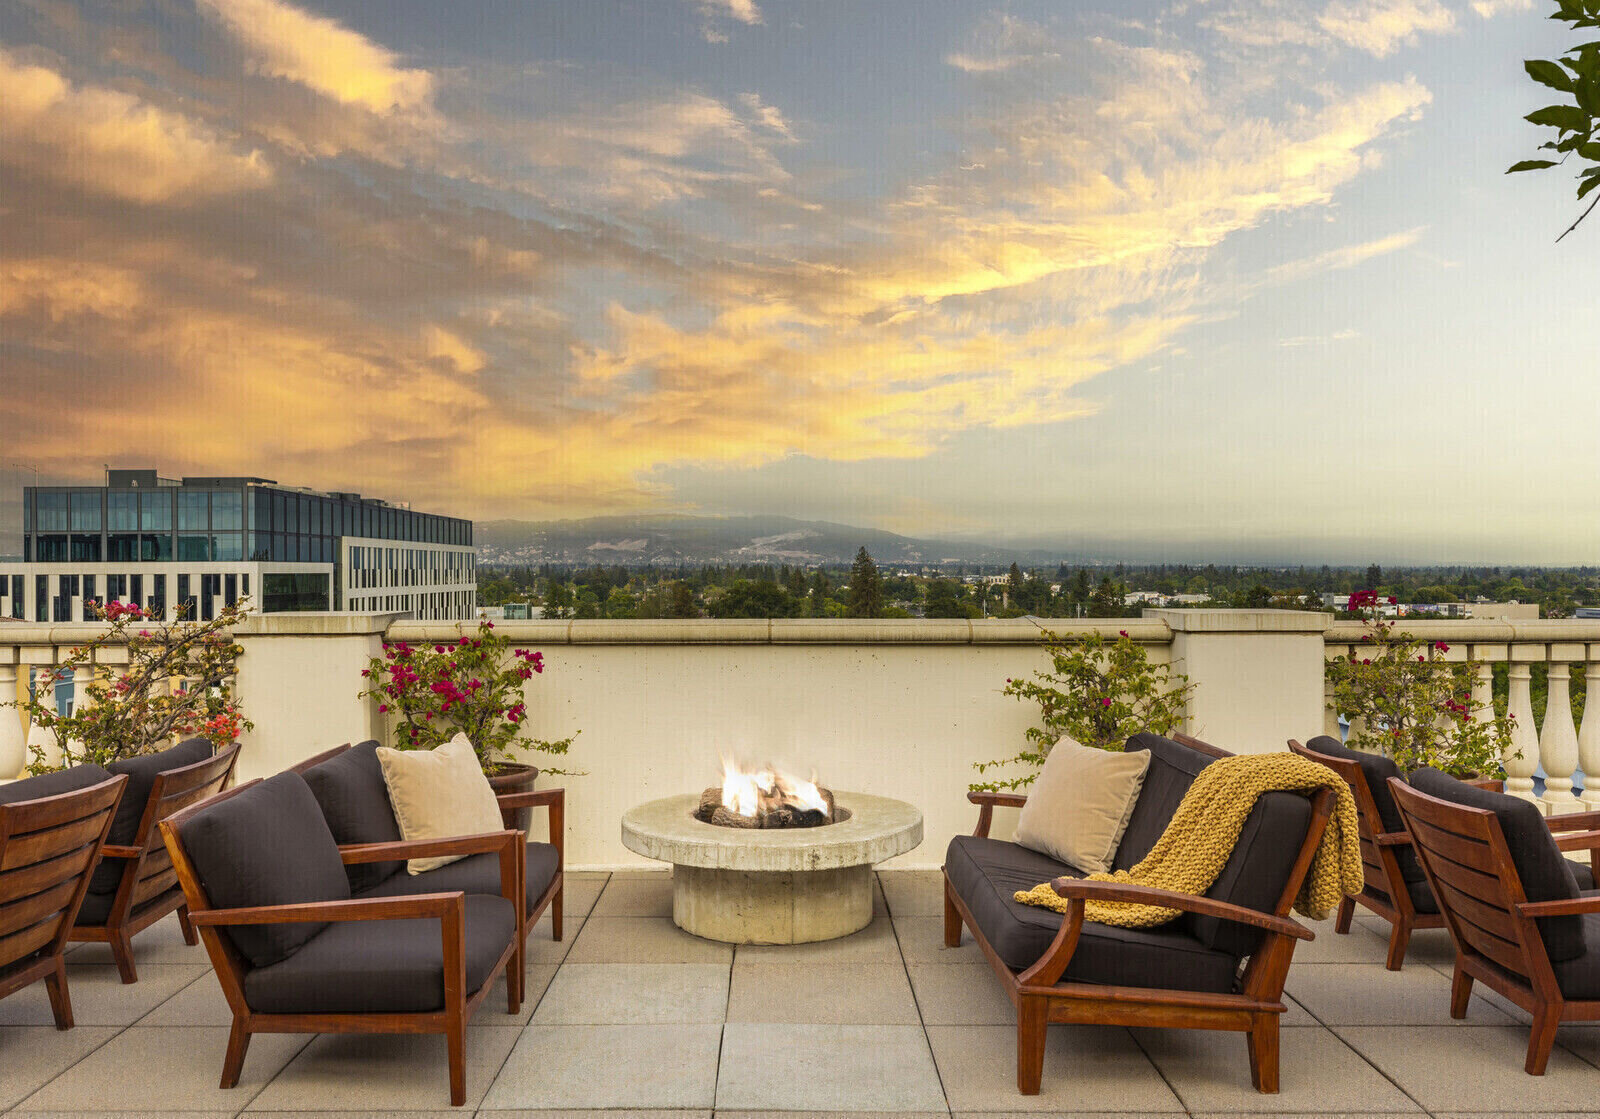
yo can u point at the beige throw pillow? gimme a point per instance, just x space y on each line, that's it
1080 804
437 794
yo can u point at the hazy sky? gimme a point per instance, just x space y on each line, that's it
1234 276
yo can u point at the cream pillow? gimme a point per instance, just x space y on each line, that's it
1080 804
437 794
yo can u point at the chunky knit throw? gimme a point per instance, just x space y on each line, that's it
1202 834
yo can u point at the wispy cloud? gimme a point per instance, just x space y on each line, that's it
715 14
1381 26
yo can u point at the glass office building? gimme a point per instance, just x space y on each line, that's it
194 542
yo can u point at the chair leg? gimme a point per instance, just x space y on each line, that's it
233 1062
1399 941
122 951
1263 1042
555 912
55 985
952 920
184 923
1032 1021
516 975
456 1039
1542 1038
1347 910
1460 991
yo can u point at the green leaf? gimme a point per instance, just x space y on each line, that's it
1588 186
1569 118
1548 73
1530 165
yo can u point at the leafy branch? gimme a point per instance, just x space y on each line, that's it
1576 74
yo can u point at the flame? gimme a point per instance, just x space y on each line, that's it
747 792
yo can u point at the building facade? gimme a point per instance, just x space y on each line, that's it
198 544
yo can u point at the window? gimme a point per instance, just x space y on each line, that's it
50 549
86 547
299 590
194 510
50 512
230 593
122 546
17 607
158 597
226 546
41 598
86 514
136 589
226 510
194 547
155 511
154 546
122 511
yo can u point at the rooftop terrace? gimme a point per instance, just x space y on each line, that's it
629 1014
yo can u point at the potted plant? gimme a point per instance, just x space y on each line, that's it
472 685
178 683
1100 693
1405 701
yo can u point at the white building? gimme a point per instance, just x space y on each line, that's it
201 543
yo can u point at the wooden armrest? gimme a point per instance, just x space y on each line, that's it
1172 899
532 798
1002 800
355 909
427 848
1392 839
119 851
1573 821
1562 908
1578 841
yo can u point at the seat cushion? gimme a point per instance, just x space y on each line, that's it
142 772
1579 978
373 967
355 803
266 845
54 784
1545 874
986 873
475 874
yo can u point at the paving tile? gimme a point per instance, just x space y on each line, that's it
840 994
1371 995
635 895
229 1114
619 994
874 944
609 1067
143 1069
199 1003
922 942
1086 1069
31 1056
643 940
579 889
1445 1068
492 1011
369 1114
913 893
961 995
543 950
612 1114
1358 946
1210 1071
99 996
827 1068
388 1072
1073 1114
724 1113
161 943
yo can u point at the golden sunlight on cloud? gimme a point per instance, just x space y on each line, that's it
1381 26
464 358
112 143
324 56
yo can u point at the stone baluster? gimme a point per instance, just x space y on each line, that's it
1589 733
1523 759
1558 740
13 739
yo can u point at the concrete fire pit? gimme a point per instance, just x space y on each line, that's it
778 885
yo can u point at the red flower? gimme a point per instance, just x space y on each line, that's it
1441 647
1122 633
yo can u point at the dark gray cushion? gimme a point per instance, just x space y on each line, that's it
1257 871
267 845
987 872
475 874
1377 769
53 784
142 771
1173 768
1545 874
373 967
355 802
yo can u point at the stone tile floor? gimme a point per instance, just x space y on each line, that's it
630 1015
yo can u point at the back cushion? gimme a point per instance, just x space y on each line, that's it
1376 768
1257 871
355 803
142 771
1544 872
267 845
54 784
1173 768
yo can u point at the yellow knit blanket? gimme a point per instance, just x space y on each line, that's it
1202 834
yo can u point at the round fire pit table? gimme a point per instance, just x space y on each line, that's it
772 885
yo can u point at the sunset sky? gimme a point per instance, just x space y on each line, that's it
1211 279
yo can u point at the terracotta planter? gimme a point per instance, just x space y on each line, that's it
515 779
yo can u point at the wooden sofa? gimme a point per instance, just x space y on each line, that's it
1221 965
